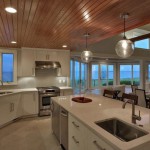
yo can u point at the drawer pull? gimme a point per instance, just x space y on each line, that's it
75 140
98 146
75 124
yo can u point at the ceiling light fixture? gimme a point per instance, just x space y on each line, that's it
10 9
64 46
86 55
125 47
13 42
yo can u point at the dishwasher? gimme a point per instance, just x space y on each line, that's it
64 128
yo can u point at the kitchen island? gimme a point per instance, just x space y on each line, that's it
101 108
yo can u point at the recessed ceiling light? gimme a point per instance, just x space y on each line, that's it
13 42
10 9
64 46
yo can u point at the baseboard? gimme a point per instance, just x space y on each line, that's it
17 119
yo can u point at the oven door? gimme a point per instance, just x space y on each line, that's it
45 101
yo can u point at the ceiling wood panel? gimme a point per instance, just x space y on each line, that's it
52 23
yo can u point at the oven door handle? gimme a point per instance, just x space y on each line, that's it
52 95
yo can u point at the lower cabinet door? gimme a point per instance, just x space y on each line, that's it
96 143
28 103
56 120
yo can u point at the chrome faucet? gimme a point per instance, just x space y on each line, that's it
134 116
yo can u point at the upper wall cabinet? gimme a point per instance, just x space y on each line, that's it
46 55
26 62
64 59
63 56
28 56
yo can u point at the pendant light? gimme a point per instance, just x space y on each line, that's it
86 55
125 47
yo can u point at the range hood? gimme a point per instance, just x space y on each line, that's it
47 65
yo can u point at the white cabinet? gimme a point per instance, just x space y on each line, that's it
26 63
76 134
46 55
82 138
64 59
29 102
96 143
65 92
10 108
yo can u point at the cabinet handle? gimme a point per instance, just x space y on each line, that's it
64 114
11 107
75 140
98 146
75 124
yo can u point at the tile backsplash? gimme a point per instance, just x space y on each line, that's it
42 78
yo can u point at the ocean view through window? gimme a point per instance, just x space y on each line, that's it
130 74
102 75
7 67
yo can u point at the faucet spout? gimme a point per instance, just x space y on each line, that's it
134 117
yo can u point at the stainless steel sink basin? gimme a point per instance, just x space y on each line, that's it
121 130
8 92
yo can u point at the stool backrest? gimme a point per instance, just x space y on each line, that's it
132 97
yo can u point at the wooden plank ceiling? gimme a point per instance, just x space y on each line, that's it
52 23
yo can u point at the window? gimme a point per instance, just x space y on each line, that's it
149 72
130 74
142 44
95 75
145 43
78 75
102 75
8 63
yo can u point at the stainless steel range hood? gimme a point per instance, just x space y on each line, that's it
47 65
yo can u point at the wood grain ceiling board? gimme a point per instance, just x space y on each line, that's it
52 23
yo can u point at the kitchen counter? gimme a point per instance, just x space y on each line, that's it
13 91
102 108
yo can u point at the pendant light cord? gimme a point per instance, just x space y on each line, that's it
124 20
86 41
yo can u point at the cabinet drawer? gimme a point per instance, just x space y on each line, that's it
76 134
75 125
96 143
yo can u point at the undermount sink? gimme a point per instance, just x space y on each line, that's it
121 130
8 92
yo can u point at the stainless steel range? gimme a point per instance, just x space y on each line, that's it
45 95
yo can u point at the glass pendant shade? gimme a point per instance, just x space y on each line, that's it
86 56
124 48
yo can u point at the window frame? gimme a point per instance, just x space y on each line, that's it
73 75
99 71
14 52
131 70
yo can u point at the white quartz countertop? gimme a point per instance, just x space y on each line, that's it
102 108
13 91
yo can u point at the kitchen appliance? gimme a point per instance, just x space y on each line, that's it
64 128
47 65
45 95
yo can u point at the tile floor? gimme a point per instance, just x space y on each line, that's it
29 134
